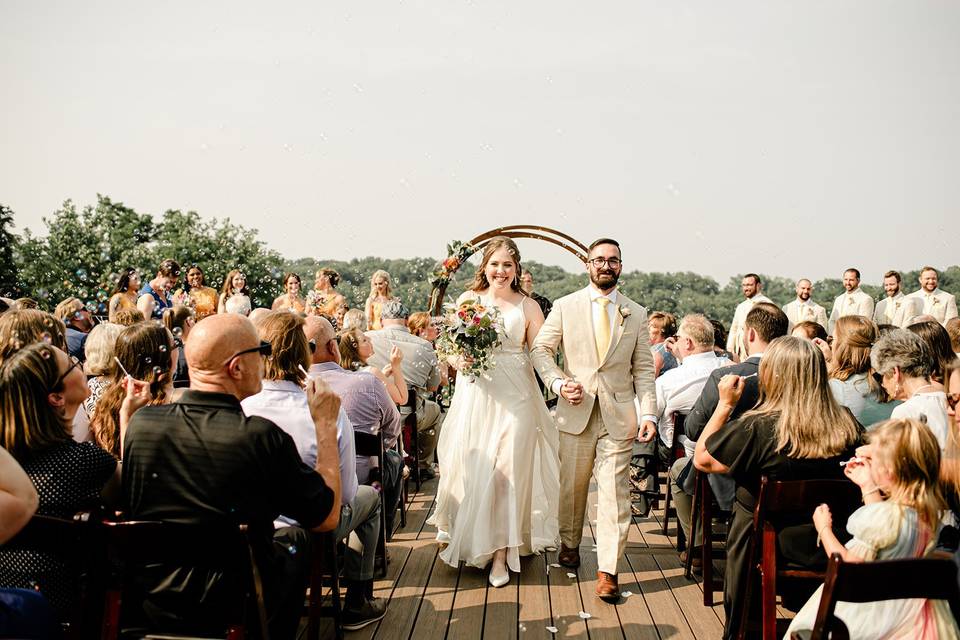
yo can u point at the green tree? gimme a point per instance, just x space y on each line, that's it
9 276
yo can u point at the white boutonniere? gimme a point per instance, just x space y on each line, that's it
896 306
936 301
624 313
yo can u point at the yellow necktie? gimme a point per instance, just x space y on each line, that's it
602 329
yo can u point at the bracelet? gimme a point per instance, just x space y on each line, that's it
874 490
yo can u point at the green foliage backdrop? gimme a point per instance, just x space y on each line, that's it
83 251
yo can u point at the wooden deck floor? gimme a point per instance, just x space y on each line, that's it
428 599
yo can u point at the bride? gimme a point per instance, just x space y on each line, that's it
499 481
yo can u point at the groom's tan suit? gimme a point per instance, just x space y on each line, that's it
602 428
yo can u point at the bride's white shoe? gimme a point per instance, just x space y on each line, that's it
499 579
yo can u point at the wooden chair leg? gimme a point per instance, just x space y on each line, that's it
415 445
692 543
706 543
381 559
666 507
768 586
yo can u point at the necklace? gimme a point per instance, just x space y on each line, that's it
916 391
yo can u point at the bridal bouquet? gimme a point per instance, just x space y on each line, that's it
470 330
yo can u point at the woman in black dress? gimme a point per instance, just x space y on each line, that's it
797 432
41 388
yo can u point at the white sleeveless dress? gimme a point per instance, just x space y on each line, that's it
499 466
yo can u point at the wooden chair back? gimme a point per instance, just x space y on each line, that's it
931 578
369 444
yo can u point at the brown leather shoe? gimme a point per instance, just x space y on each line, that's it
607 588
568 557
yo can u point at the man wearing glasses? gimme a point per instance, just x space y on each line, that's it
202 460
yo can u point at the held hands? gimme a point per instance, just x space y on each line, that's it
730 389
323 402
572 391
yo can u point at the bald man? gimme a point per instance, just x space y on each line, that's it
202 460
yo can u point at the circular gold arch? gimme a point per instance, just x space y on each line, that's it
459 252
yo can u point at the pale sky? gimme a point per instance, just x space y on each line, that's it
790 138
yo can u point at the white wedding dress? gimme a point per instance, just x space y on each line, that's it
499 466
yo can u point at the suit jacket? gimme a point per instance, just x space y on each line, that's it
941 305
855 303
625 373
798 312
904 308
710 396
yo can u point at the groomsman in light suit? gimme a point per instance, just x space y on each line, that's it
751 286
853 302
936 302
803 308
896 308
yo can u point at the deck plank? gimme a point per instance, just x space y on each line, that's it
534 598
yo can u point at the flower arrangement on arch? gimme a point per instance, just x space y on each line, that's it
457 253
470 330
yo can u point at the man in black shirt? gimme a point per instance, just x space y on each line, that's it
201 460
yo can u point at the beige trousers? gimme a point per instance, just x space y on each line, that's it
594 452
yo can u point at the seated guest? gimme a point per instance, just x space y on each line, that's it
99 367
421 370
290 299
124 294
78 321
179 320
661 326
905 363
898 476
720 341
803 309
896 309
235 296
938 341
950 461
953 330
421 325
201 460
27 303
809 330
283 401
258 314
24 326
18 497
127 317
147 352
202 297
367 403
6 304
798 432
677 391
356 349
41 388
848 362
354 319
155 295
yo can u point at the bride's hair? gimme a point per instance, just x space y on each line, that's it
480 282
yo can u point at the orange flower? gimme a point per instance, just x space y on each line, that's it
451 264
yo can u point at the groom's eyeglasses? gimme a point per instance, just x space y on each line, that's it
598 263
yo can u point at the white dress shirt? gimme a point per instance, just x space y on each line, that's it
805 310
937 303
854 303
679 388
285 404
897 310
931 405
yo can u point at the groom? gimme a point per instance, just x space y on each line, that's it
606 350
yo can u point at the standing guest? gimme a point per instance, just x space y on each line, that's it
751 286
290 299
354 319
936 302
953 330
368 405
803 309
179 321
421 370
125 293
848 362
127 317
896 309
661 326
356 349
202 297
155 295
78 321
283 401
99 367
938 341
326 299
380 294
201 460
898 476
41 389
853 302
905 364
764 324
147 352
798 432
809 330
235 296
526 284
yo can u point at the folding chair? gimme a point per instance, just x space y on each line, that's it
325 569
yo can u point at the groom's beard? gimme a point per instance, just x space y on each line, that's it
604 280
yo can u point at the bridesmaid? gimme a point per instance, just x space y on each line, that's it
290 300
380 294
203 298
328 299
125 294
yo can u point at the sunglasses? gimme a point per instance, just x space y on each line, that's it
74 363
265 349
